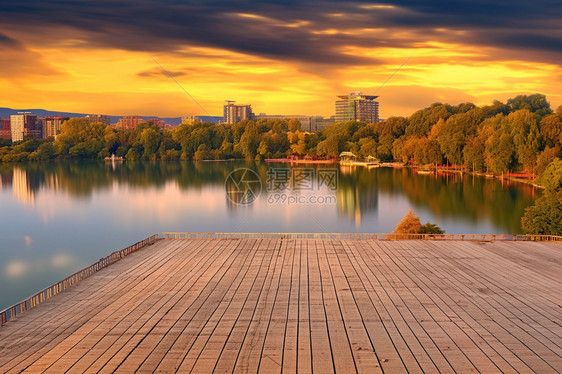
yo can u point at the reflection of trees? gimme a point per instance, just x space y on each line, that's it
468 198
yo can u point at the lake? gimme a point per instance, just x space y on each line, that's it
56 218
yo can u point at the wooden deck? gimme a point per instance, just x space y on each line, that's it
303 305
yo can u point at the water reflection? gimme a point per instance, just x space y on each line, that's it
58 217
459 198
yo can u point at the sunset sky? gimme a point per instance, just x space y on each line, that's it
283 57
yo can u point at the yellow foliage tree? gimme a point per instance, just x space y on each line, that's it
410 224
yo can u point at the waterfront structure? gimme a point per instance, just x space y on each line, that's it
357 107
234 113
129 122
98 118
324 303
25 125
5 129
51 126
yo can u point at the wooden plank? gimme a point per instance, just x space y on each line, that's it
249 356
40 335
210 343
303 305
129 305
322 355
184 312
148 311
239 329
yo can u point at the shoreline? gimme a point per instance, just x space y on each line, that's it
393 165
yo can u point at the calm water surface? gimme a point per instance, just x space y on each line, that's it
57 218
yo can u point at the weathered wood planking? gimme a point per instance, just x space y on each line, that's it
274 305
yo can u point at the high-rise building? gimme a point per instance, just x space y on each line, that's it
129 122
357 107
23 125
5 129
51 126
98 118
234 113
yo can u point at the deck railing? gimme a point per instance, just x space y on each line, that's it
336 236
56 288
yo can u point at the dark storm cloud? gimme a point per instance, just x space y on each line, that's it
291 30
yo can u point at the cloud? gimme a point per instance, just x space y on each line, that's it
7 41
18 61
95 56
28 240
307 31
159 73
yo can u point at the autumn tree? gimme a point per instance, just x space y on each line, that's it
410 224
545 216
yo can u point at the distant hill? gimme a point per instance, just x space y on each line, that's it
174 121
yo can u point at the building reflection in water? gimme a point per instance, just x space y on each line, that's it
357 193
21 188
476 202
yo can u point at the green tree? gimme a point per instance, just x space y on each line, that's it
551 129
535 103
249 141
202 153
294 125
500 152
545 216
150 141
452 134
431 228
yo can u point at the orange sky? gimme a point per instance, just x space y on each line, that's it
74 69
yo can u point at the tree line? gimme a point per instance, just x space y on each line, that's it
523 134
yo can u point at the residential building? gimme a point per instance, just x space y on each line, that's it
5 129
320 123
308 123
24 125
157 121
190 120
357 107
98 118
129 122
234 113
51 126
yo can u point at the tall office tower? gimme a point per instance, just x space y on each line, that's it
129 122
98 118
357 107
234 113
23 125
51 126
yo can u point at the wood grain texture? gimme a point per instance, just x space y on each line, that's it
303 305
